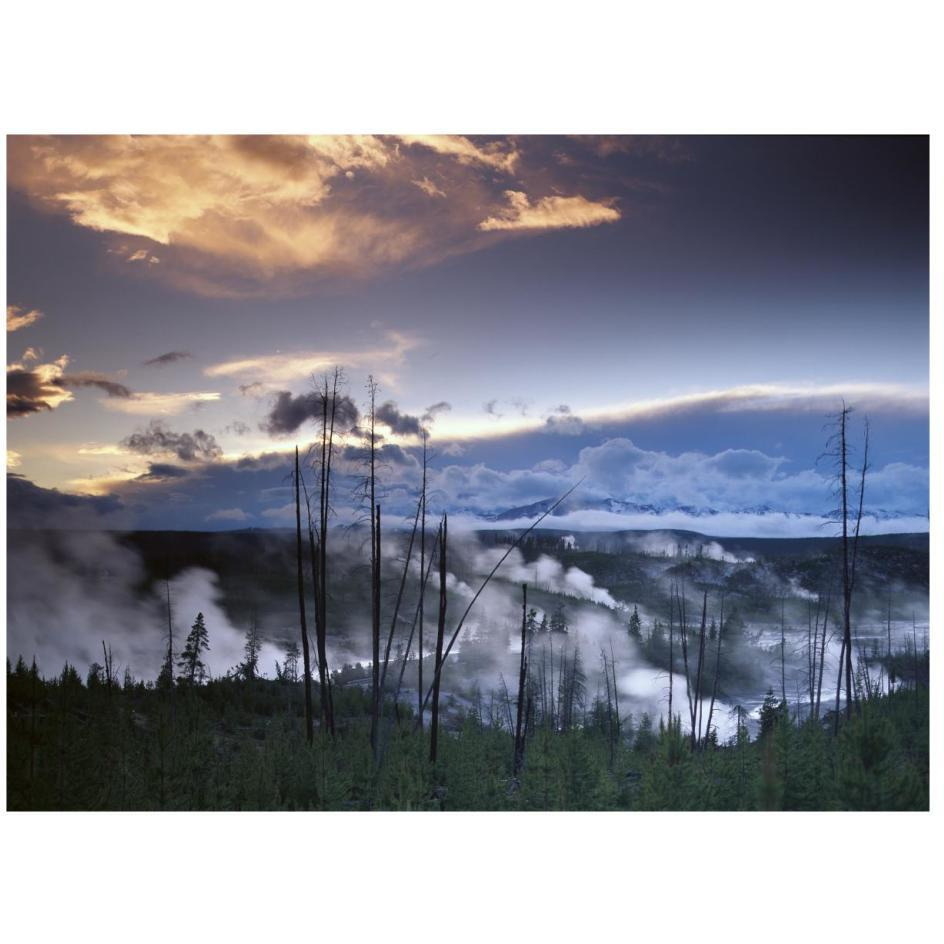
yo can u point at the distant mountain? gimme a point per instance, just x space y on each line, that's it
619 506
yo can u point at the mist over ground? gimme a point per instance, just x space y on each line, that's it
70 591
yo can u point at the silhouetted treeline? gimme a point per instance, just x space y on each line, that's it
237 743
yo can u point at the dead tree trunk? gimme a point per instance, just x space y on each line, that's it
329 406
697 714
888 648
671 650
375 635
842 665
846 650
822 656
522 676
714 685
609 704
440 637
107 656
619 724
385 662
485 582
306 655
783 654
170 637
419 664
683 630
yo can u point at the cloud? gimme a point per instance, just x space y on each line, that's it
563 422
289 412
432 411
298 365
258 215
873 398
171 357
554 212
18 318
101 381
401 424
429 188
142 255
31 506
730 491
36 389
188 447
238 428
228 514
160 472
496 155
43 387
14 459
162 404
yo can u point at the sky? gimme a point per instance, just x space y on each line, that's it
669 321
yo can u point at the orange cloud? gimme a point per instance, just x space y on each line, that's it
549 213
243 215
17 318
494 155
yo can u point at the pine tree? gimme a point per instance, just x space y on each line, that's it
249 668
635 625
194 669
290 665
771 712
558 619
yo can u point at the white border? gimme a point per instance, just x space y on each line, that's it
724 67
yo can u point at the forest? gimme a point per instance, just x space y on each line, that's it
521 710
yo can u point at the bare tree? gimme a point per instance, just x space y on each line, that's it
714 684
419 664
455 634
375 635
440 636
683 632
697 713
671 649
839 442
822 657
783 653
371 434
332 418
889 677
306 655
522 678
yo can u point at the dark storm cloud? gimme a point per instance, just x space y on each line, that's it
30 506
388 454
434 410
171 357
28 391
90 379
188 447
400 423
42 387
289 412
161 471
